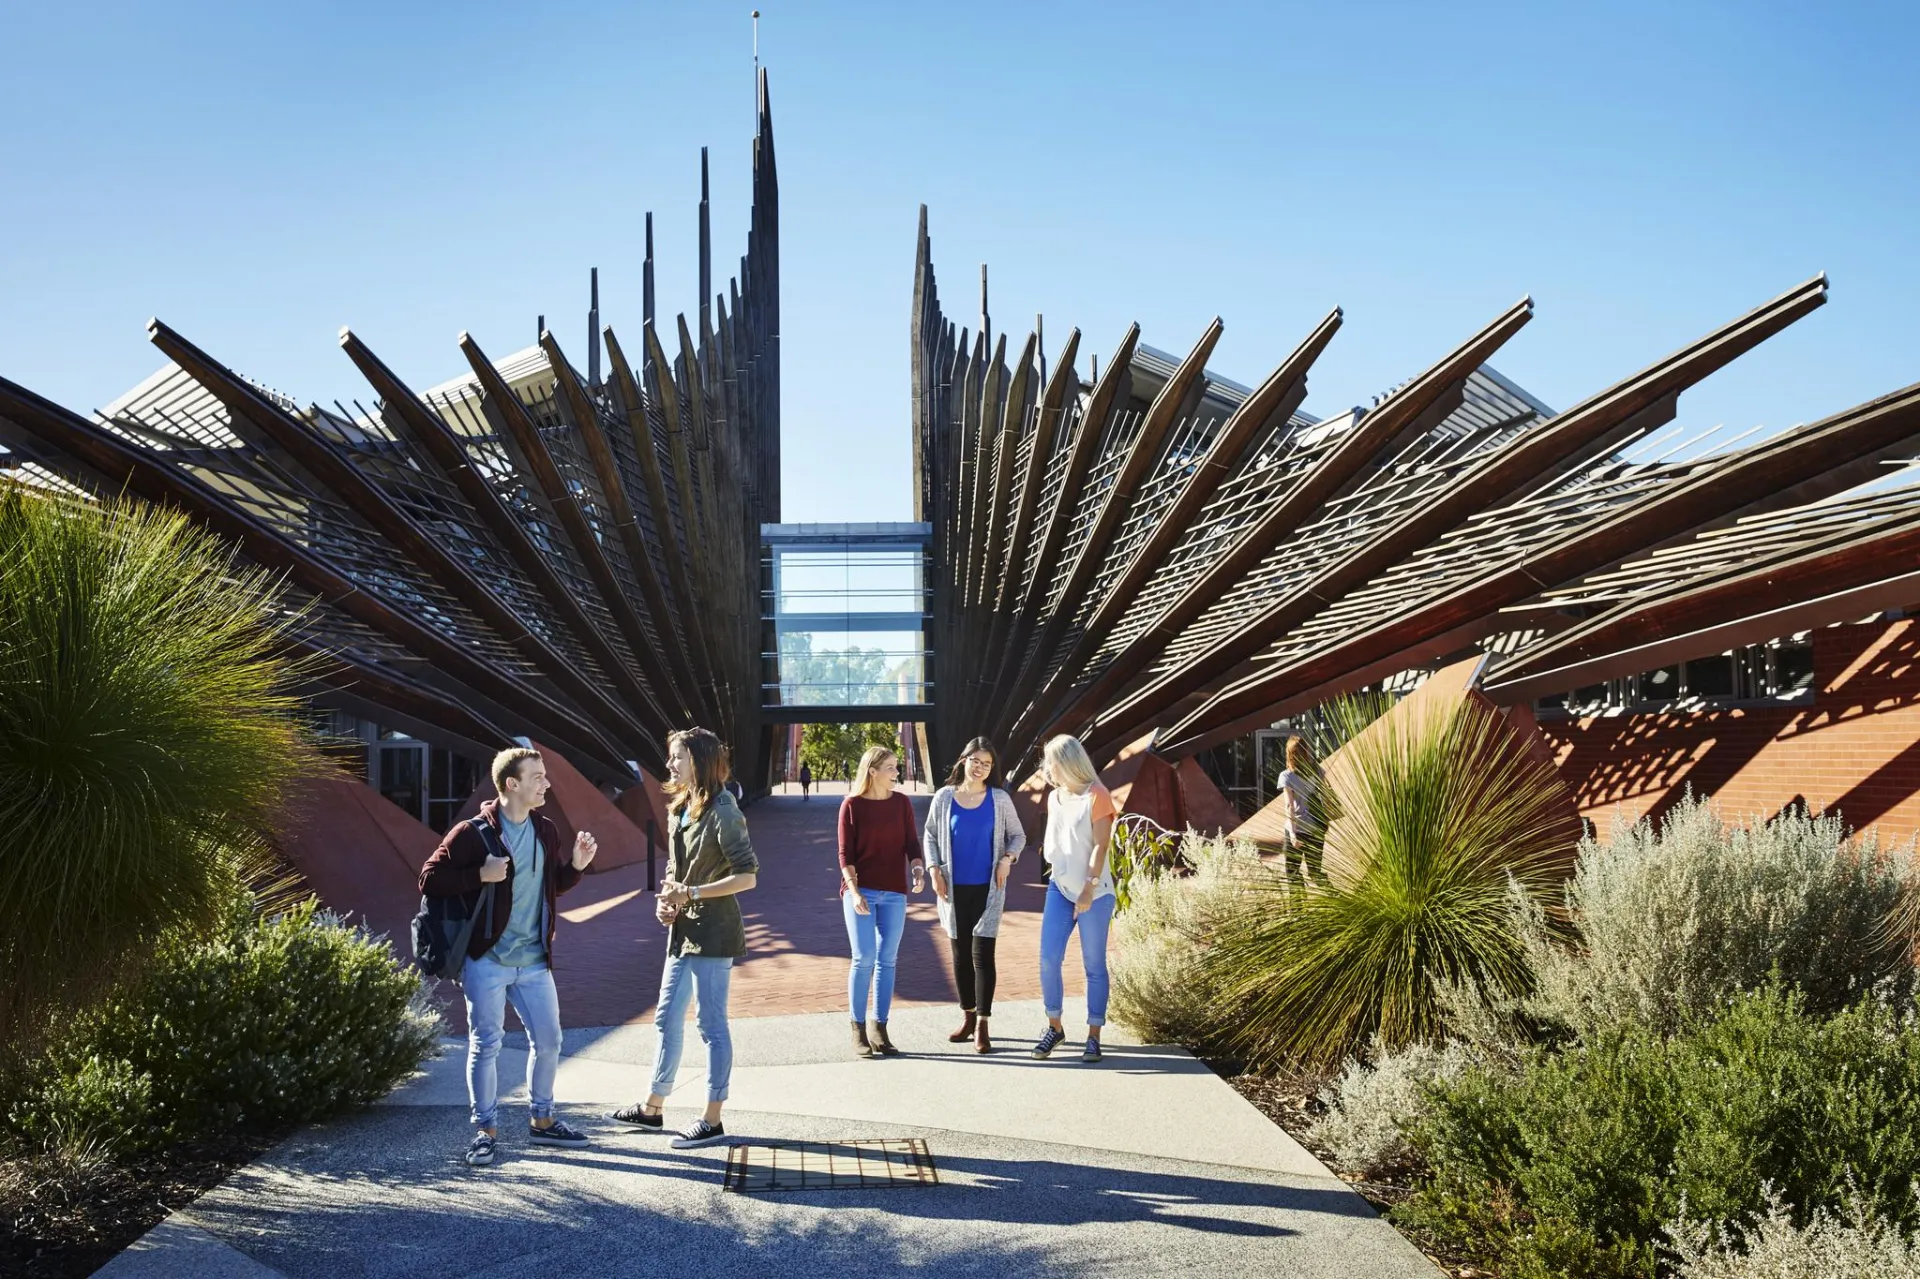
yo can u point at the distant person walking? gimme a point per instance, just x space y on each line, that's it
509 956
1079 829
879 847
972 841
1298 781
713 863
806 781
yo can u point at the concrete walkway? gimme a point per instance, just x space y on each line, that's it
1144 1164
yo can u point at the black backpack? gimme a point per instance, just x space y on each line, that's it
444 925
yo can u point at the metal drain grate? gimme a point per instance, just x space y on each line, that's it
761 1167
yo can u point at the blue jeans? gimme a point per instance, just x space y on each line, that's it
875 939
706 980
488 986
1056 925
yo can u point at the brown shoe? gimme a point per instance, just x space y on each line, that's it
881 1044
861 1048
965 1032
981 1043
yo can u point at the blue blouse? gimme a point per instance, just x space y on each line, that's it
970 840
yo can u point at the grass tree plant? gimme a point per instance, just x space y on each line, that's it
146 733
1423 825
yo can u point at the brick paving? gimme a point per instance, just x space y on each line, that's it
610 949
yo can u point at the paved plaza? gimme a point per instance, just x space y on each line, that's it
1144 1163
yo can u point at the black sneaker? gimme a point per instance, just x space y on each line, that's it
480 1153
637 1115
1092 1051
556 1134
1048 1042
699 1133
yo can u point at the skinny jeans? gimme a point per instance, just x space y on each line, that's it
1057 924
875 941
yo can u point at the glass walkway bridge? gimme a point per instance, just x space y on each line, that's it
845 623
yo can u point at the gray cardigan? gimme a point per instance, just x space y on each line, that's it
1008 840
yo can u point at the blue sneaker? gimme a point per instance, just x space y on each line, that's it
480 1153
1048 1042
556 1134
1092 1053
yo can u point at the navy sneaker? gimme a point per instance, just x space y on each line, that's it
1048 1042
1092 1052
637 1115
480 1153
556 1134
699 1133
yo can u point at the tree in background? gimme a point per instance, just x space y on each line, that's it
834 750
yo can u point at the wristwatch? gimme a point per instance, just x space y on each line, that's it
693 892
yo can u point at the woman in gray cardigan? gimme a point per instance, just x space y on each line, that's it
972 840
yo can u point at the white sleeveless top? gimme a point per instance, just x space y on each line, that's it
1069 842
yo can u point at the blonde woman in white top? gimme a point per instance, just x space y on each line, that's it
1079 828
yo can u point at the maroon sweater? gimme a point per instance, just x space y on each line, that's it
454 871
878 839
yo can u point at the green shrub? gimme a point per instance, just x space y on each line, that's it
1159 989
1140 849
1373 1106
1573 1164
93 1106
278 1020
1850 1246
1672 924
145 726
1423 826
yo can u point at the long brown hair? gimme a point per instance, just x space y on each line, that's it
959 773
711 768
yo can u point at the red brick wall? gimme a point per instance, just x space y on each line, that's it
1854 749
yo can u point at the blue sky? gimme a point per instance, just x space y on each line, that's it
259 175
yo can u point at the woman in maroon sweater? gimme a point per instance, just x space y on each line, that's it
878 845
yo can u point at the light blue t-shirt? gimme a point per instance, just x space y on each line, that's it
524 941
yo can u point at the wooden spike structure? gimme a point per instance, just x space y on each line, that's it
526 551
1192 560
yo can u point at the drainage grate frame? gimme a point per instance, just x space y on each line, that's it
877 1163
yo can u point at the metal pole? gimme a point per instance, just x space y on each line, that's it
652 883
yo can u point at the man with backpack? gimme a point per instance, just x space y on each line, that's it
509 951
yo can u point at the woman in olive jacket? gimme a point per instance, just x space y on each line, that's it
713 861
972 841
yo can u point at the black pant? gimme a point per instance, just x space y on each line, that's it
972 956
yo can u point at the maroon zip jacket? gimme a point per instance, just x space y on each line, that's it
454 871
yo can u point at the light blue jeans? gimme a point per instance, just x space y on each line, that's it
488 986
705 979
1057 923
875 939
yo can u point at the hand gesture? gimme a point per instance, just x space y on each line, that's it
665 911
1002 872
852 882
584 847
940 883
1081 906
919 877
494 869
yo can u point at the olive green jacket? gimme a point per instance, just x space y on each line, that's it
711 847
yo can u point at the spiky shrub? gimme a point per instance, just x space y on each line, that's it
1424 825
1674 921
1159 989
144 727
